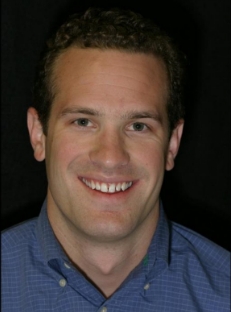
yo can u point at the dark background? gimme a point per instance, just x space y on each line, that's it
196 193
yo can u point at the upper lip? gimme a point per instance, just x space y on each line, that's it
107 179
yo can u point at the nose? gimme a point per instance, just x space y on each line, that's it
109 151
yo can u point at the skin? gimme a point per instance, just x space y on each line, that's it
108 124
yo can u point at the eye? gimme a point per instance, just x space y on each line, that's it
82 122
139 126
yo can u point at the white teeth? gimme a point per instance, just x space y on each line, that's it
104 188
107 187
123 186
111 188
118 187
92 185
97 186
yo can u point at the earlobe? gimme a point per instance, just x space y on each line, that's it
37 137
174 144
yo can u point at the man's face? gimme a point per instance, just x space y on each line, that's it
107 144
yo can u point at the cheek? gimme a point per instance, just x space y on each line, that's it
59 152
63 147
150 155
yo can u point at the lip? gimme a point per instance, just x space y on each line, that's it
107 179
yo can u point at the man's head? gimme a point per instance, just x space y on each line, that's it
113 29
108 142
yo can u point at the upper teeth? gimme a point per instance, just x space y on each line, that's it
107 187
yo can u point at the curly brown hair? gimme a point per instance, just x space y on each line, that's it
118 29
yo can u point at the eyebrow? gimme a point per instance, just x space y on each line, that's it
144 114
128 115
81 110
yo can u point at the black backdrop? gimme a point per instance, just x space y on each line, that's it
197 192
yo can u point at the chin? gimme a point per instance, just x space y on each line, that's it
109 231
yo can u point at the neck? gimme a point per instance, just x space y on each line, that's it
106 264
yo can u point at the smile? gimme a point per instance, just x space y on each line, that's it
107 187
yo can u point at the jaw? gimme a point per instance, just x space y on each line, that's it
102 217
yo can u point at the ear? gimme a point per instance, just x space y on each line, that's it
37 137
174 144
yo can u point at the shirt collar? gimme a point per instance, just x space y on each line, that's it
159 247
50 247
157 257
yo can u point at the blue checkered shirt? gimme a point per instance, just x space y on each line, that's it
182 271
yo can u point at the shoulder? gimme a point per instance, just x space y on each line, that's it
17 239
200 268
200 250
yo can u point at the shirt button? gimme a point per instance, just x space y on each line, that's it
104 309
62 282
147 286
67 265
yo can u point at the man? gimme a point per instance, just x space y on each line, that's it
108 120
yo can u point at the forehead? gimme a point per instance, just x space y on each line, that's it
109 75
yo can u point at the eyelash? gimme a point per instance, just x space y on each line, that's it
79 120
140 124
